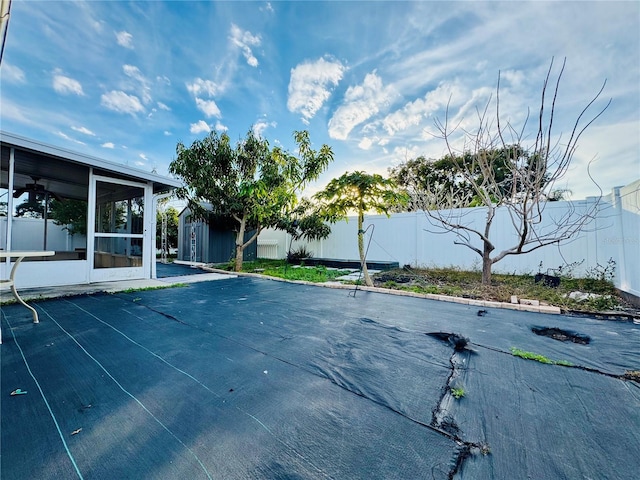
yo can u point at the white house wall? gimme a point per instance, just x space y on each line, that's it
47 273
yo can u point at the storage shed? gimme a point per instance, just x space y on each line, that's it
211 241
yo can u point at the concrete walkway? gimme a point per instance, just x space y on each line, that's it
109 287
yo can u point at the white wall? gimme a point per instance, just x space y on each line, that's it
411 238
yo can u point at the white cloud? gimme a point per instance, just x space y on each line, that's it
245 40
310 86
466 118
365 143
404 153
201 87
66 85
133 72
108 145
360 103
121 102
220 127
414 113
67 137
143 157
12 73
124 39
515 78
267 8
208 107
96 25
260 126
144 88
199 127
163 106
167 133
84 130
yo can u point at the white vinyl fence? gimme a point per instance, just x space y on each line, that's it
28 234
413 239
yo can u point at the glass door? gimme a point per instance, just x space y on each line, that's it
120 242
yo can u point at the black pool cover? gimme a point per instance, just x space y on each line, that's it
248 378
164 270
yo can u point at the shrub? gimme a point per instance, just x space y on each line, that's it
299 254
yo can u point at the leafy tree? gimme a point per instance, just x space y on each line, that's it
172 226
359 192
34 208
455 176
304 221
72 214
251 183
491 172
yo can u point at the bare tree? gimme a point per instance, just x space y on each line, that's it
494 169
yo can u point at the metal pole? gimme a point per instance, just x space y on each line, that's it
193 241
163 237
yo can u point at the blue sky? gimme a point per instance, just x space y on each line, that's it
125 81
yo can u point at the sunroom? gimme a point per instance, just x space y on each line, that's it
98 217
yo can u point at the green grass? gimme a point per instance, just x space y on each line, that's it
516 352
457 392
159 287
280 269
460 283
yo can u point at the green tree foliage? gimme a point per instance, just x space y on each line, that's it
359 192
172 227
304 221
251 183
72 214
33 208
504 174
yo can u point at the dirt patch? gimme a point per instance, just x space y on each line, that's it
468 284
458 342
384 277
632 375
562 335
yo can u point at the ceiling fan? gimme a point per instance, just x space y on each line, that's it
34 189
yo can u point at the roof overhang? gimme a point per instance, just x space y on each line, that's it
65 169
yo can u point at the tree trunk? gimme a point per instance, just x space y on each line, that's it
486 265
239 257
363 262
240 245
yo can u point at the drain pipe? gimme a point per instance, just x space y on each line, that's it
154 209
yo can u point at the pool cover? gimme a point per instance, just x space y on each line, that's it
251 378
164 270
